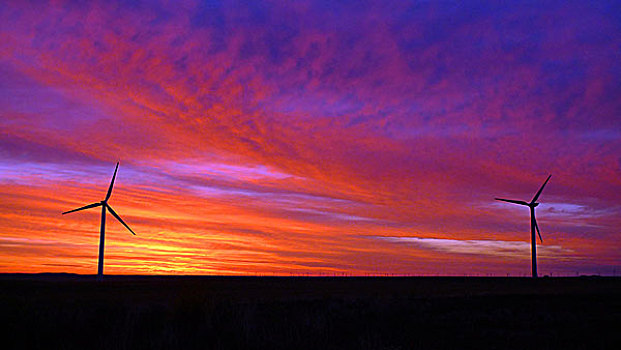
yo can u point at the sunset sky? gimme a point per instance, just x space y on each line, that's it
311 137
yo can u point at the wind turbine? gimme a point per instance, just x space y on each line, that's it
102 233
533 223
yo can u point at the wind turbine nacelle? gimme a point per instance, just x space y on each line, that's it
534 204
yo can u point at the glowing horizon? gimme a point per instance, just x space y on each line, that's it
310 138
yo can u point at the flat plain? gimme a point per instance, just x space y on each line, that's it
164 312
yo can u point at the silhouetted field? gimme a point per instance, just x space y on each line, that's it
76 312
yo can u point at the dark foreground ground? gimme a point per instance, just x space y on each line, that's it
72 312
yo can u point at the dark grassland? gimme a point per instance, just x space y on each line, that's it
76 312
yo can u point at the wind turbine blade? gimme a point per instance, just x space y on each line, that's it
119 218
537 227
541 189
512 201
112 182
84 207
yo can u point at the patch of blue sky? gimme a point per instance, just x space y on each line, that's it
450 131
223 170
314 104
27 173
25 96
290 197
280 199
546 209
334 215
574 211
601 135
222 191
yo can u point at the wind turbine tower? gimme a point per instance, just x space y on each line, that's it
533 224
102 233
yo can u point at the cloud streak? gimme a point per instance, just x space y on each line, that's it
494 248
